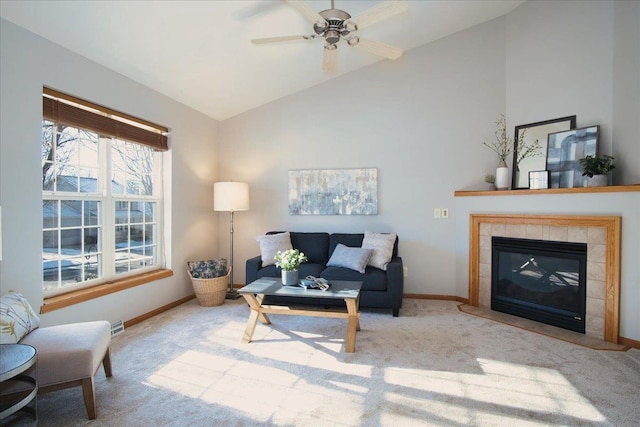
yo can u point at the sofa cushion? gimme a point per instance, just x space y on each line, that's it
314 245
17 318
353 240
348 257
373 280
270 244
382 245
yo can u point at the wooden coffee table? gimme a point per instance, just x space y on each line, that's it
348 291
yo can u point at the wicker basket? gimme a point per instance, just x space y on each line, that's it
210 292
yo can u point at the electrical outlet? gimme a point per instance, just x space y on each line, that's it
445 212
437 213
405 271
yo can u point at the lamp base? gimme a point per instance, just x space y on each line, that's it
232 294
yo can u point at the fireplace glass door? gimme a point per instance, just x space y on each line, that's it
540 280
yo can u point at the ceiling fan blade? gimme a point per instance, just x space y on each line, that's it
378 48
308 12
330 61
384 10
278 39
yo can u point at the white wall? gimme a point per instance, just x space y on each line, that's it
27 63
420 120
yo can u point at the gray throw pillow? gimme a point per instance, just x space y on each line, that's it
352 258
270 244
382 246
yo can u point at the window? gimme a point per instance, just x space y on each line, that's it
101 195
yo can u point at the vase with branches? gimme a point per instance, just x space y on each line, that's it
503 146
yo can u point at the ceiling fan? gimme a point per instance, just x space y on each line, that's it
334 25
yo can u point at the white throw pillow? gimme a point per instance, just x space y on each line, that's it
17 318
270 244
348 257
382 248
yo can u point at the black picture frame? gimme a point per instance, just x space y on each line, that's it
564 151
539 131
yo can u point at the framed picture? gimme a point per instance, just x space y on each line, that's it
538 180
333 192
534 160
564 149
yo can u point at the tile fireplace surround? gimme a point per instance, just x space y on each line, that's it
600 233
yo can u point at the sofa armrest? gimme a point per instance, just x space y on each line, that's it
395 282
251 269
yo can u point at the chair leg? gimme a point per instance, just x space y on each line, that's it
89 395
106 363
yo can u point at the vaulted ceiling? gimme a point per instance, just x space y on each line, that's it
199 52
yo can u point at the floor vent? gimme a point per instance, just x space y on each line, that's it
117 328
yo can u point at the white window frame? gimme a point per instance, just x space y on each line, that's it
108 203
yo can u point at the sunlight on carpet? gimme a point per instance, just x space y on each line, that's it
530 389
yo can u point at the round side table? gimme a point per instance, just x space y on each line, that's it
15 359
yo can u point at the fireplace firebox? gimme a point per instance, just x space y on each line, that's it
540 280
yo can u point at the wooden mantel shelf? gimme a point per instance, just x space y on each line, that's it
527 192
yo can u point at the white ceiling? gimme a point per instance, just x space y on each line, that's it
199 52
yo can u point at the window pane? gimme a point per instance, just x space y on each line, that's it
71 212
91 213
49 214
90 242
149 234
137 235
149 212
122 236
71 241
132 167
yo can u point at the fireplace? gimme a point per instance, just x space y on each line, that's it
602 236
541 280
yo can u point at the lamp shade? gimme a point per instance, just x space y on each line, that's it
230 196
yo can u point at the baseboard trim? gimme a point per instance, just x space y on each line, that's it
437 297
158 310
629 342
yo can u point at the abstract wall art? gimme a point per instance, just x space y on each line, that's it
333 192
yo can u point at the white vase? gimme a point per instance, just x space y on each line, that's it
502 176
596 181
289 278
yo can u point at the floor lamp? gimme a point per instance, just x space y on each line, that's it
231 197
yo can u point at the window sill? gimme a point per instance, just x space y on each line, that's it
65 300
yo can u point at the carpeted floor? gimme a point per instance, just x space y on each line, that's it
433 365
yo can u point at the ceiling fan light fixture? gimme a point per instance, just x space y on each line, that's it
353 41
350 26
320 27
332 36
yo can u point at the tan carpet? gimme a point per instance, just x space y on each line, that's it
433 365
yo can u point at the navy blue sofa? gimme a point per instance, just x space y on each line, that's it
380 289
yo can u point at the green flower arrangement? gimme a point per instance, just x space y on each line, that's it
290 259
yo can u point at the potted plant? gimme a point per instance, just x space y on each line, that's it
289 261
491 180
596 170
